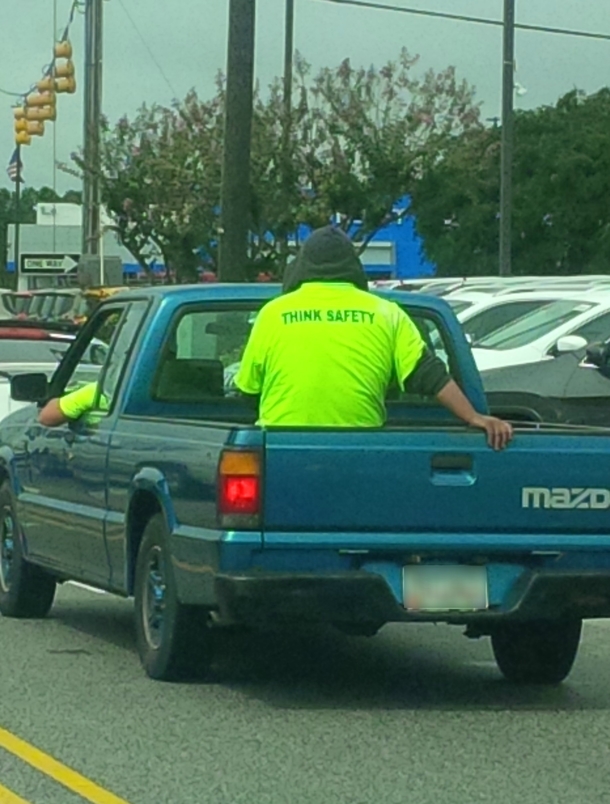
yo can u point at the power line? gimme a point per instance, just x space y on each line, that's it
47 70
464 18
148 48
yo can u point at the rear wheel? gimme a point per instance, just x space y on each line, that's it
540 652
25 590
174 641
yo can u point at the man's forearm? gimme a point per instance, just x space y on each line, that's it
499 433
452 397
52 415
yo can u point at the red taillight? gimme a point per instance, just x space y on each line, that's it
239 486
240 495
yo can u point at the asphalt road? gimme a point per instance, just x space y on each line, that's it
416 715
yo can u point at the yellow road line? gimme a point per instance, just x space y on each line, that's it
8 797
56 771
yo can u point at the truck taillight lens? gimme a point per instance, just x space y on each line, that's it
239 488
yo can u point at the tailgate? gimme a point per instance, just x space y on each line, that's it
436 481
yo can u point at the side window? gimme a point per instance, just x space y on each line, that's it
120 350
200 359
102 356
437 341
93 354
596 330
433 336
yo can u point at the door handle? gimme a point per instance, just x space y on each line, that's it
452 469
72 437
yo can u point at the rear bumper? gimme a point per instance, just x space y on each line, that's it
364 597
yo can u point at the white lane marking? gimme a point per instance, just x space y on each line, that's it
87 588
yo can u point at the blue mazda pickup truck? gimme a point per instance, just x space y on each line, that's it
170 493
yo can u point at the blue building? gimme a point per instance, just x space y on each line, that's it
395 251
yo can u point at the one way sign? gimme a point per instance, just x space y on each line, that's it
48 263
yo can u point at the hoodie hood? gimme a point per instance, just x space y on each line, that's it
328 255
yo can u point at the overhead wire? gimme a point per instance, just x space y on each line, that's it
54 130
149 49
11 94
466 18
46 70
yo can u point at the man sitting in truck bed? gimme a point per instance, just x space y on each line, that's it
324 353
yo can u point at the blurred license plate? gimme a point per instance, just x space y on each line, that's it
444 588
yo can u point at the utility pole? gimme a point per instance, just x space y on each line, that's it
288 58
17 230
506 180
287 121
235 190
91 131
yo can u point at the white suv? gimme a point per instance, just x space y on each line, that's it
563 324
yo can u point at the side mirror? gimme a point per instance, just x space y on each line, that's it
29 387
598 354
569 343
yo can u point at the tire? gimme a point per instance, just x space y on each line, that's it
26 590
174 641
541 652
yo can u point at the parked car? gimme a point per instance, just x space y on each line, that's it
574 388
488 313
563 325
32 348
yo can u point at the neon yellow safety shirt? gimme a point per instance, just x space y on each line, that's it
83 401
324 355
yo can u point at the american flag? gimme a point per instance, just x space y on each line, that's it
15 166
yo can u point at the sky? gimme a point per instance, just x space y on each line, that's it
188 41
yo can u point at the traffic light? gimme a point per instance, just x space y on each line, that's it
41 99
64 70
63 50
46 84
65 85
41 113
40 105
35 128
21 127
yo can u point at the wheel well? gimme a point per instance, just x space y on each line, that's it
143 506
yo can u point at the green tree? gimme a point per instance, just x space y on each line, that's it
160 174
356 143
364 135
561 192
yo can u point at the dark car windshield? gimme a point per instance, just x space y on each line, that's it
530 327
482 324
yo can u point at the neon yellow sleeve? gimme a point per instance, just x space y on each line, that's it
409 346
251 372
83 400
